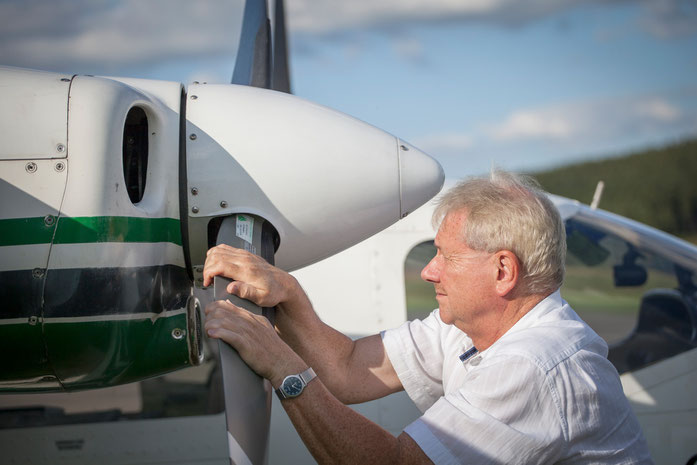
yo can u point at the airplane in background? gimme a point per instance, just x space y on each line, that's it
633 284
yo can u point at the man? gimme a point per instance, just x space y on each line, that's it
504 370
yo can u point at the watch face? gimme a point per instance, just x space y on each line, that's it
292 386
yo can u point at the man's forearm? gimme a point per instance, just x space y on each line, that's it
338 360
324 348
334 433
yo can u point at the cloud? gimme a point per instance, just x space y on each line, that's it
576 122
670 18
537 137
110 34
104 35
532 124
325 16
661 18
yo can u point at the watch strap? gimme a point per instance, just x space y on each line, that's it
308 375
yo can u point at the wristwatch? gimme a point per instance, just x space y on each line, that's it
293 385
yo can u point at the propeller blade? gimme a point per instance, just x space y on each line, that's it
281 73
253 63
247 395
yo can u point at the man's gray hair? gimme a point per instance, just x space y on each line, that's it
511 212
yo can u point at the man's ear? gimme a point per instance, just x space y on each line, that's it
508 272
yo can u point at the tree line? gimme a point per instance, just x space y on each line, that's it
656 186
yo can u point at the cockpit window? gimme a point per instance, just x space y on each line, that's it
640 300
421 297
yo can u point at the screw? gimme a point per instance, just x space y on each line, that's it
195 82
33 320
178 333
60 148
49 220
404 147
223 204
31 167
198 269
194 191
60 166
194 209
192 137
38 273
65 79
194 97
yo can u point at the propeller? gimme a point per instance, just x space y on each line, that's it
248 396
260 62
281 75
254 60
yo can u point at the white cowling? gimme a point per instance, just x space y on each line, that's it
325 180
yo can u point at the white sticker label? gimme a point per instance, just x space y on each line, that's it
248 247
245 228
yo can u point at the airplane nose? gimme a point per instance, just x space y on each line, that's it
420 177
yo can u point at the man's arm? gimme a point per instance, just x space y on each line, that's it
335 433
354 371
332 432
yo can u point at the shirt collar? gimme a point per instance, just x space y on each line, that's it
543 307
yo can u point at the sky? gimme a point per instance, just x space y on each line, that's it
523 85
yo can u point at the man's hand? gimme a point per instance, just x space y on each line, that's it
253 278
254 339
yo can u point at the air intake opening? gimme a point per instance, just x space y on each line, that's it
135 153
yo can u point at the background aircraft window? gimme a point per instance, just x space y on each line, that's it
640 302
421 297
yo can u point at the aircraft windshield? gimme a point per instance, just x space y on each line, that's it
633 286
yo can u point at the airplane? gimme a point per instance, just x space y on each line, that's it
633 284
113 189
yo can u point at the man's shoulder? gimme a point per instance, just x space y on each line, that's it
550 334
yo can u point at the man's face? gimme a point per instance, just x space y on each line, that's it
463 278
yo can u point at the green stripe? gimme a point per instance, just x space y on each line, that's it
90 229
20 231
90 354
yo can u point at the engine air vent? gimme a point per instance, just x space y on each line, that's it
135 153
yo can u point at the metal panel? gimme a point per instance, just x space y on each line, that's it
184 440
34 114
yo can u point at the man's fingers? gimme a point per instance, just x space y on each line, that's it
230 262
222 260
231 337
244 291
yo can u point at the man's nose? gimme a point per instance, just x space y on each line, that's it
430 272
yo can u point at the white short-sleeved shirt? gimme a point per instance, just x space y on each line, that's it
542 393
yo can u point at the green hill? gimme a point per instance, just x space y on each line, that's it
657 187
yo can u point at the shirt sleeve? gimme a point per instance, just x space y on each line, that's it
417 356
503 413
